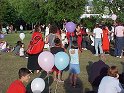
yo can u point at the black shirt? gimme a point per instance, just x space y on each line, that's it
55 50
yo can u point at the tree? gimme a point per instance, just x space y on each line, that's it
113 6
36 11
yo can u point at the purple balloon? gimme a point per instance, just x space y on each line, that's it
1 36
70 26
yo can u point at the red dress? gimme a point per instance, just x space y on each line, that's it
79 37
68 35
105 41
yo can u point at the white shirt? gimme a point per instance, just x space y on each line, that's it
98 32
74 57
110 85
21 52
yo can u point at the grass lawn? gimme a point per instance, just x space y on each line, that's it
10 64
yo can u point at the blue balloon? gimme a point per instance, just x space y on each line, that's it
61 60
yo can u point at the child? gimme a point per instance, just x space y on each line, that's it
74 63
3 45
17 86
17 47
21 50
54 50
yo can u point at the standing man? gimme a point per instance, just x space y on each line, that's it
97 33
119 41
21 28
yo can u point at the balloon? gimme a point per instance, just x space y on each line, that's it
37 85
1 36
114 17
61 60
70 26
46 60
22 36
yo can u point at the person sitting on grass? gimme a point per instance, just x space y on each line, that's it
17 48
54 50
74 63
17 86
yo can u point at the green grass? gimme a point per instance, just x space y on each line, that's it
10 64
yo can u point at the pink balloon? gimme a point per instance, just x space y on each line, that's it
114 17
46 60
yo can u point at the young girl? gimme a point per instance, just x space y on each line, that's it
21 51
74 63
54 50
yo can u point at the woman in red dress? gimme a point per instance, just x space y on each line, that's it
79 33
105 39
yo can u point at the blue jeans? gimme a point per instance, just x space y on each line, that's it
98 43
119 44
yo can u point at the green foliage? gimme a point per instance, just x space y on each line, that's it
8 15
36 11
90 22
116 7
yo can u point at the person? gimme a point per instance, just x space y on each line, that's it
3 45
17 86
105 40
97 32
21 28
46 34
51 37
21 51
34 49
64 39
119 41
110 83
97 71
79 34
74 63
17 48
55 50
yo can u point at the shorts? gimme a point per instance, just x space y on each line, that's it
74 68
54 69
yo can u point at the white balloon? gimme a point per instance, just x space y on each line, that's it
114 17
37 85
22 36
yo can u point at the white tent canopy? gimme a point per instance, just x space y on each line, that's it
89 15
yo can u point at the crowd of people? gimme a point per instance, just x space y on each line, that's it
57 40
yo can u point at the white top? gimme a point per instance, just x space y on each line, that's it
110 85
98 32
21 52
63 36
87 30
21 27
3 45
64 40
74 56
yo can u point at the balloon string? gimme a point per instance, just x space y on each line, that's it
48 83
46 75
56 87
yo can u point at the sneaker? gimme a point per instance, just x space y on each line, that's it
61 81
95 54
117 56
120 57
26 57
55 79
84 49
